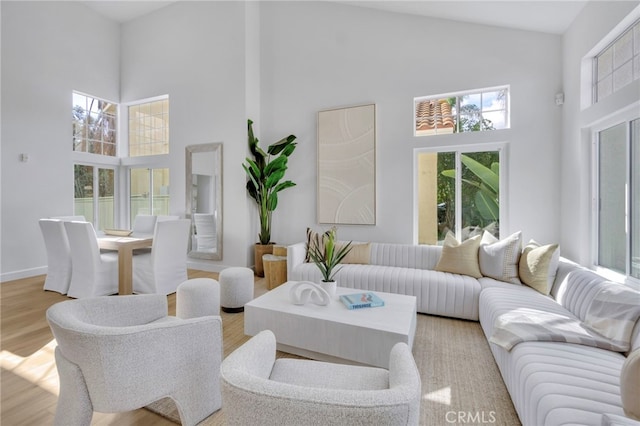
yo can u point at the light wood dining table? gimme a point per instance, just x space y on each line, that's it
125 247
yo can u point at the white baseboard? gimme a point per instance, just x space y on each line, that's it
25 273
204 266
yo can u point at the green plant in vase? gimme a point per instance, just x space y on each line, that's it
327 255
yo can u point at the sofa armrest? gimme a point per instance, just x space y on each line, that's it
295 256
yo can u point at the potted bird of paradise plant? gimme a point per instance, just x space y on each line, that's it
264 180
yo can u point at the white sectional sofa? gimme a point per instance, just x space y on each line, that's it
550 382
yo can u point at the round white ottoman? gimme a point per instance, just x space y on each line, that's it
236 288
198 297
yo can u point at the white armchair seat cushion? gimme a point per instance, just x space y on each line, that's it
329 376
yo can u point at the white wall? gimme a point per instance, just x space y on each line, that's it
593 24
320 55
280 63
195 53
49 49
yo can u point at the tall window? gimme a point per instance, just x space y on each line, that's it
618 197
149 191
473 111
149 128
458 191
148 136
94 125
618 64
94 195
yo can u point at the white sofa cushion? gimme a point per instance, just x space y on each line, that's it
499 258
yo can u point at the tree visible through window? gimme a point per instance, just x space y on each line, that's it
464 112
94 125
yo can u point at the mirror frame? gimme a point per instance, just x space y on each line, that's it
189 151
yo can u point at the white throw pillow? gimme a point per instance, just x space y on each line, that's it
538 266
499 258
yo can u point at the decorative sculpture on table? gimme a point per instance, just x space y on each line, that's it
305 291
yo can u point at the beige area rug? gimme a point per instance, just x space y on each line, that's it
461 384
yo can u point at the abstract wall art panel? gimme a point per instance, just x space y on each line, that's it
347 165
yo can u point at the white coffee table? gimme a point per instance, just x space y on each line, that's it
334 333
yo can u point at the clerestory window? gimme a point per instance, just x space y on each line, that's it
471 111
618 64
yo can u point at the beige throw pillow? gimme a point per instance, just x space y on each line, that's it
460 258
538 266
359 253
499 258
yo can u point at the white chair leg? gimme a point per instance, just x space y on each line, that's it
74 406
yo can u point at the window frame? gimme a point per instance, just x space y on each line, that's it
595 78
503 150
96 191
127 163
627 115
458 95
125 124
117 124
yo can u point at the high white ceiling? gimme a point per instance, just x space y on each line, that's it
535 15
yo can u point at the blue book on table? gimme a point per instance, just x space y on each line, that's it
361 300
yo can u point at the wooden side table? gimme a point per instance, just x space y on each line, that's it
275 270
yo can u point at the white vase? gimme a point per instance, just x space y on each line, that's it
329 287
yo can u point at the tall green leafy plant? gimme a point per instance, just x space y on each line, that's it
265 173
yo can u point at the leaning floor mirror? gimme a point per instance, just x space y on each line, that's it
204 200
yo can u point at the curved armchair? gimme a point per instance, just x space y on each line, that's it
121 353
256 385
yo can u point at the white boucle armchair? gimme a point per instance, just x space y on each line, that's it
257 388
121 353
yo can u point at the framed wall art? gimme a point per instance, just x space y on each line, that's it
347 165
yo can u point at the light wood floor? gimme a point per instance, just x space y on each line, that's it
29 379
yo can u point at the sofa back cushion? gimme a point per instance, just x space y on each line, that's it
577 290
405 255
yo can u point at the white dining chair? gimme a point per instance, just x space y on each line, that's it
163 217
77 218
165 267
144 224
58 255
205 232
93 273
